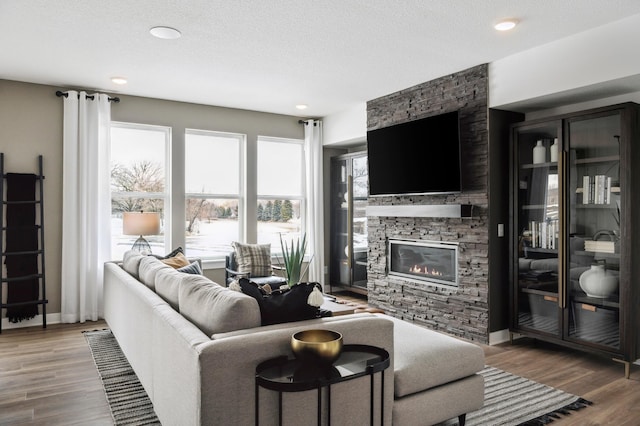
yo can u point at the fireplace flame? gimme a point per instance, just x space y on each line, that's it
415 269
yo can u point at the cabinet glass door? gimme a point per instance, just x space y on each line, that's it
349 246
340 261
537 229
360 192
593 218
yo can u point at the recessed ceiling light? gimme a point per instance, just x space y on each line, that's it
119 80
506 24
302 106
166 33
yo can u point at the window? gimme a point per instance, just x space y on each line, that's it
213 201
139 181
281 193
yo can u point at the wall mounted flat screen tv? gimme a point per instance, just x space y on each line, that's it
417 157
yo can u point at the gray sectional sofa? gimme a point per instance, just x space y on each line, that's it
195 345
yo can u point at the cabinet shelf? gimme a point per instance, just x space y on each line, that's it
599 253
596 206
597 302
603 159
547 165
538 206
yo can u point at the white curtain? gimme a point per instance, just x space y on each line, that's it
86 205
315 202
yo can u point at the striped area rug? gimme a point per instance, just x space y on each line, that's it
127 399
514 400
508 399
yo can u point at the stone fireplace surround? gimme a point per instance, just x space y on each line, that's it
462 311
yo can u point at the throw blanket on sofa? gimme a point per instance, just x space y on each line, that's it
21 235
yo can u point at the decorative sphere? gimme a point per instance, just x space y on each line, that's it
317 346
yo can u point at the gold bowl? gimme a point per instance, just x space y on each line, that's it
317 346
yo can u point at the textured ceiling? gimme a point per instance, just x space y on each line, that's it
269 55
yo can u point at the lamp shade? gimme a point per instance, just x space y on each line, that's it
139 223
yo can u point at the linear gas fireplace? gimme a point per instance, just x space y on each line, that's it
428 261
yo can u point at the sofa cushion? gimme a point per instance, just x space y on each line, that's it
254 259
167 284
131 262
149 267
424 358
216 309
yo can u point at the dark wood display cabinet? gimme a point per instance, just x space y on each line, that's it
349 245
575 231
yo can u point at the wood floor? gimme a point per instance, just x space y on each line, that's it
47 377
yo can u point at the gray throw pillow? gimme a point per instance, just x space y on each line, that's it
253 259
192 268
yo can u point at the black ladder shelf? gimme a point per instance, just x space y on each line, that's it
39 251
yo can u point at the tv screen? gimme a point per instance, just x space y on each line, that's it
417 157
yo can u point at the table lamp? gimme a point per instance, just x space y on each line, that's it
141 223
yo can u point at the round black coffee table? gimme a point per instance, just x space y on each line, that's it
282 374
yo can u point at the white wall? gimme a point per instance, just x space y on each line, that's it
594 64
345 127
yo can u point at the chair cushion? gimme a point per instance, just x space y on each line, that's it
254 259
424 358
216 309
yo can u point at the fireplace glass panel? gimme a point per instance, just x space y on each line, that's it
434 262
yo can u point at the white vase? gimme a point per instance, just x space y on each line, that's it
597 282
553 151
539 153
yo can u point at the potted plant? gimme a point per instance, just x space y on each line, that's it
293 256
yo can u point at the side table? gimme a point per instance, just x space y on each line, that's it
282 374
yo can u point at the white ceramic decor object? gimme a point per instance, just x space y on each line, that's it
539 153
553 151
598 282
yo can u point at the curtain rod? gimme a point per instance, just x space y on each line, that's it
315 123
59 94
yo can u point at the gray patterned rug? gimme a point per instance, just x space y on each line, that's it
508 399
127 399
514 400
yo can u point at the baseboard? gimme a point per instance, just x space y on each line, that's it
33 322
501 336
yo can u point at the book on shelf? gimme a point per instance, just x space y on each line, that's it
544 234
597 189
600 246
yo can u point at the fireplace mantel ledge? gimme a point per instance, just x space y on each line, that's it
422 210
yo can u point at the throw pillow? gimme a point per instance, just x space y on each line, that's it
192 268
253 259
281 306
177 261
167 256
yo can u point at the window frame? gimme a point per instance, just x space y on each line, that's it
168 178
241 196
303 184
